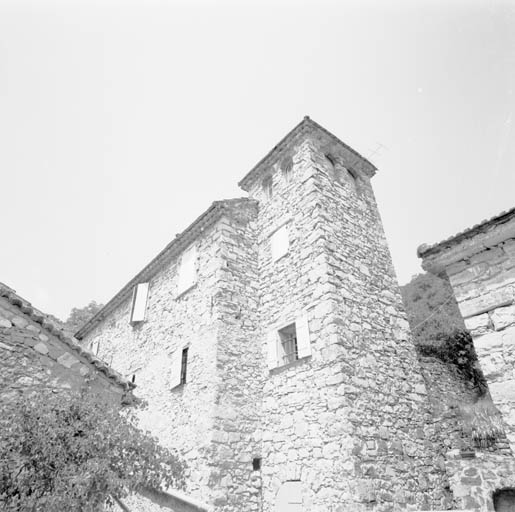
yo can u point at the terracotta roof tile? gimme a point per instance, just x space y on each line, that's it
40 318
425 250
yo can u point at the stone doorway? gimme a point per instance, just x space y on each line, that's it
289 497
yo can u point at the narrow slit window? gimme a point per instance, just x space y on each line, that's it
184 365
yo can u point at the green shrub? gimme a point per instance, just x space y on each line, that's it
60 452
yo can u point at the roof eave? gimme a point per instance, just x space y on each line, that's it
179 243
246 182
40 318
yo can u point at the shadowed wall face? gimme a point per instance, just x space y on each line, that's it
481 269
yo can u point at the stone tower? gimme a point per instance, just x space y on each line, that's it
303 391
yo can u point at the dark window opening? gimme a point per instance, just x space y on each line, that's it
184 365
288 347
256 464
331 159
504 500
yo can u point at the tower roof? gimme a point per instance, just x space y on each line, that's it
306 126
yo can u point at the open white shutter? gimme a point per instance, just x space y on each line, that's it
303 339
271 347
279 243
175 370
139 302
187 270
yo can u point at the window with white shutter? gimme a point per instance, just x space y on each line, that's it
187 270
272 342
139 303
290 343
303 339
279 243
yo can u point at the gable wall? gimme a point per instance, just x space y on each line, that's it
182 417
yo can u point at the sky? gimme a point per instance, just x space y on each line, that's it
121 122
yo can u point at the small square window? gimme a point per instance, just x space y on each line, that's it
289 344
288 350
256 463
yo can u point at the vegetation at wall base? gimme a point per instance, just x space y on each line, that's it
438 328
483 422
64 452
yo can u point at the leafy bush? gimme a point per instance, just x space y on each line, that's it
431 308
457 349
60 452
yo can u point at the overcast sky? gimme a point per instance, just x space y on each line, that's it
120 122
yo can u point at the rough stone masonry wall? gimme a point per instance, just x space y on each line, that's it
484 286
447 391
303 438
351 422
181 418
32 359
237 423
382 393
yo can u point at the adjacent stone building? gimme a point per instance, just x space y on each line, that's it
480 266
36 354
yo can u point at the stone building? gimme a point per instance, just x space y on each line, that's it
36 354
270 342
480 266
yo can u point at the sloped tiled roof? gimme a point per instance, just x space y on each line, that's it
306 125
27 309
425 250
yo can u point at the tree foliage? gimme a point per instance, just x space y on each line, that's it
431 308
438 328
79 316
60 452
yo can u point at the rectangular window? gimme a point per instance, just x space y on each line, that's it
184 365
288 351
290 343
139 303
279 243
179 367
187 273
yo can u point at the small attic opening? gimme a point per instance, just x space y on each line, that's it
268 187
331 159
286 166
